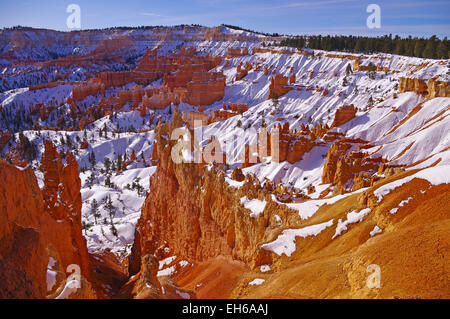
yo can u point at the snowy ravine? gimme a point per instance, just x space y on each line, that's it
127 190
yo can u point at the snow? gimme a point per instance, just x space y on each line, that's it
166 272
278 219
285 242
375 230
309 208
404 202
234 183
70 287
393 211
265 268
352 218
256 282
436 175
51 274
255 205
167 261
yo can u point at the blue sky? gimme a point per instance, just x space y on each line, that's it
413 17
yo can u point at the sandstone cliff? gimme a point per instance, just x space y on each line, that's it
343 115
194 212
40 226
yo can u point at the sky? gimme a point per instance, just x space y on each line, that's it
348 17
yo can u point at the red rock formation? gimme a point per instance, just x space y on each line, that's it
238 108
237 175
82 90
84 144
235 53
133 156
278 86
343 115
343 168
30 233
186 78
430 88
191 117
242 71
289 145
5 137
48 85
194 213
62 201
84 121
358 67
248 157
260 50
155 157
232 110
205 89
292 78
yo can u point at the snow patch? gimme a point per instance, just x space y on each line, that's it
285 242
352 218
265 268
375 230
436 175
256 282
255 205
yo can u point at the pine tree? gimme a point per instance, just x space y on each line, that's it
419 47
348 70
108 181
92 159
345 82
94 210
400 47
107 163
430 48
370 102
275 100
119 162
441 50
359 46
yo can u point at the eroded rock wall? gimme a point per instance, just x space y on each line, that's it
38 225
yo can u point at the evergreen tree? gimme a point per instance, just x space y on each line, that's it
370 102
119 162
29 148
94 210
441 49
345 82
400 48
429 51
359 46
92 159
418 48
387 44
107 163
275 100
348 70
